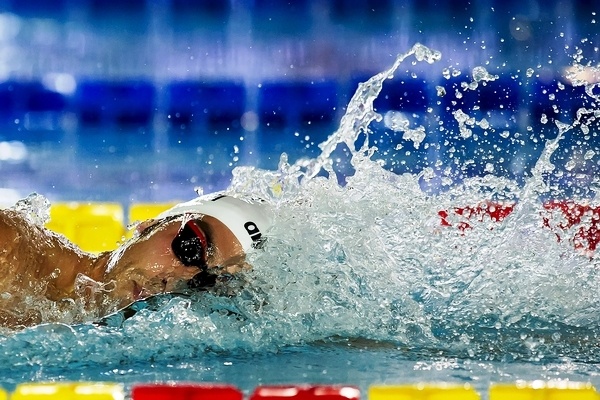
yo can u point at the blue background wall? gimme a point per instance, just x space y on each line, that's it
143 100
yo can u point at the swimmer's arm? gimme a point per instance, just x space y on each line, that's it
30 252
8 228
14 255
24 244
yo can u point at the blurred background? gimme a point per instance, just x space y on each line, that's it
142 100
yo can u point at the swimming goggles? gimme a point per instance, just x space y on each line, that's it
190 245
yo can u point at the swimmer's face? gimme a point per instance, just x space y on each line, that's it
147 265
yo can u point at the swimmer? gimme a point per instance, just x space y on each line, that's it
185 247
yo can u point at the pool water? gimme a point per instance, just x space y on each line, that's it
360 363
358 282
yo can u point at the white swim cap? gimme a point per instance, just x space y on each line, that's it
247 219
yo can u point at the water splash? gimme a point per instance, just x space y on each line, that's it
369 259
360 112
35 207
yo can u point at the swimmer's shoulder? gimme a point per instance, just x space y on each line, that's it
15 226
17 231
9 220
14 232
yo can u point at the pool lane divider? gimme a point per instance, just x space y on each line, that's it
422 391
100 226
577 223
520 390
68 391
543 390
185 391
94 227
305 393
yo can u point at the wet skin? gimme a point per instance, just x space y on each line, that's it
148 266
37 262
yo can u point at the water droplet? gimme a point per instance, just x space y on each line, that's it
589 154
480 74
562 127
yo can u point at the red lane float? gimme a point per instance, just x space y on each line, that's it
200 391
495 211
185 391
562 217
296 392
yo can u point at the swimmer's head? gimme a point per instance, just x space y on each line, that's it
247 219
188 246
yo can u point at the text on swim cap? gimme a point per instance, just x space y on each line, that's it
254 233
